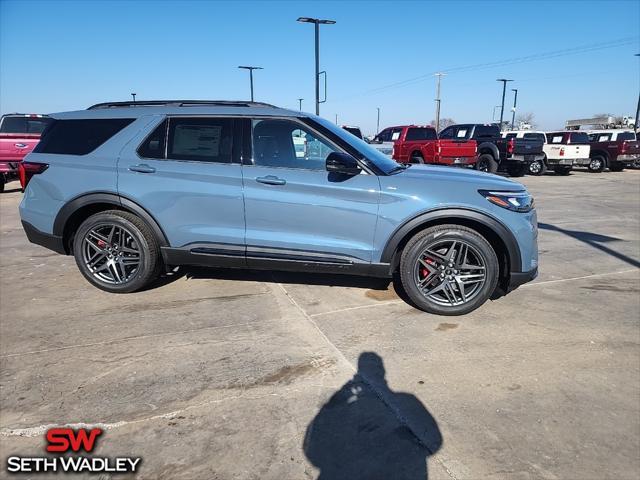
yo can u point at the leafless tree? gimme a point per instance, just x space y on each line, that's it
526 117
444 123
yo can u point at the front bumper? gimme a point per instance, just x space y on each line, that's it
47 240
520 278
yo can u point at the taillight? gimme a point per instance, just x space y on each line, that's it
511 145
26 170
623 149
562 152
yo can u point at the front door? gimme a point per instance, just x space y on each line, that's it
185 171
295 210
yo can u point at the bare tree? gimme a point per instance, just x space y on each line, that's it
444 123
526 117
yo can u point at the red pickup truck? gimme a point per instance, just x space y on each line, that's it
19 133
420 144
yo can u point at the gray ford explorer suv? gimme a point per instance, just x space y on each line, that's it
131 189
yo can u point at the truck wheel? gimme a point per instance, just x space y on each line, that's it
562 170
597 164
116 251
537 168
448 270
486 163
616 167
517 170
416 157
2 182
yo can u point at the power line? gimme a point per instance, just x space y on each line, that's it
501 63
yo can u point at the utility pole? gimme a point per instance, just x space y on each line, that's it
300 103
515 100
378 122
635 124
251 69
504 90
317 22
439 75
133 94
336 118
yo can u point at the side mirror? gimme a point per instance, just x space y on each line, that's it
342 163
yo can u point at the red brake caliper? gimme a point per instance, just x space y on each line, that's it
424 271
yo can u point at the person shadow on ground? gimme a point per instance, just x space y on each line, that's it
366 431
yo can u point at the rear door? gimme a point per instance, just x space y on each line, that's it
185 171
297 213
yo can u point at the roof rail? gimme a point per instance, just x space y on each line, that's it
179 103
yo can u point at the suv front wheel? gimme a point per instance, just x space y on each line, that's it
448 270
117 251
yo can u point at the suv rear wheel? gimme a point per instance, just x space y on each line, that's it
448 270
117 251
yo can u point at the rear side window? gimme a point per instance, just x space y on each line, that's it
17 125
79 137
201 139
416 134
154 145
579 138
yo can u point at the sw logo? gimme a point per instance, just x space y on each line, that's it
68 441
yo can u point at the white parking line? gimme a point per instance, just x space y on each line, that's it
533 284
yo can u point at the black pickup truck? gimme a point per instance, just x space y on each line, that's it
497 153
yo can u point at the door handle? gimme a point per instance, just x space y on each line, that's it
142 168
271 180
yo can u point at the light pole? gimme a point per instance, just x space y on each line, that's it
300 103
515 100
317 22
378 122
504 90
635 124
439 75
134 96
251 69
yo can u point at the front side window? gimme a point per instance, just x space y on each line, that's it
200 139
288 144
79 137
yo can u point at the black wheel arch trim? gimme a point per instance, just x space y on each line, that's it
401 232
87 199
495 152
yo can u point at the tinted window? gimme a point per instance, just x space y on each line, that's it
200 139
509 136
581 137
486 131
33 125
447 133
556 137
384 136
420 134
354 131
79 137
154 145
626 136
535 136
599 137
288 144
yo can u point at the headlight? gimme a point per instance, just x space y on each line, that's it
514 201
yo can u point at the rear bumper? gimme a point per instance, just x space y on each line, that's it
520 278
627 159
582 162
47 240
527 158
456 160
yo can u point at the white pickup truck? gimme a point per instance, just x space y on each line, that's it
562 150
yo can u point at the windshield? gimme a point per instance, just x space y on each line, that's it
384 163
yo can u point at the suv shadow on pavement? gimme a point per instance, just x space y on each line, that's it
367 431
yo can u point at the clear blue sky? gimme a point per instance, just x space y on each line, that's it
65 55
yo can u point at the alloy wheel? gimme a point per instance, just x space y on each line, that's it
595 164
535 167
450 272
111 253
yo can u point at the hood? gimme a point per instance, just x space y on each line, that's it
487 181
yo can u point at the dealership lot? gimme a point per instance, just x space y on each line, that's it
223 374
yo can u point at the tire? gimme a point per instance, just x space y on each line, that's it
445 241
486 163
616 167
562 170
539 167
416 157
597 164
2 182
517 170
116 235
